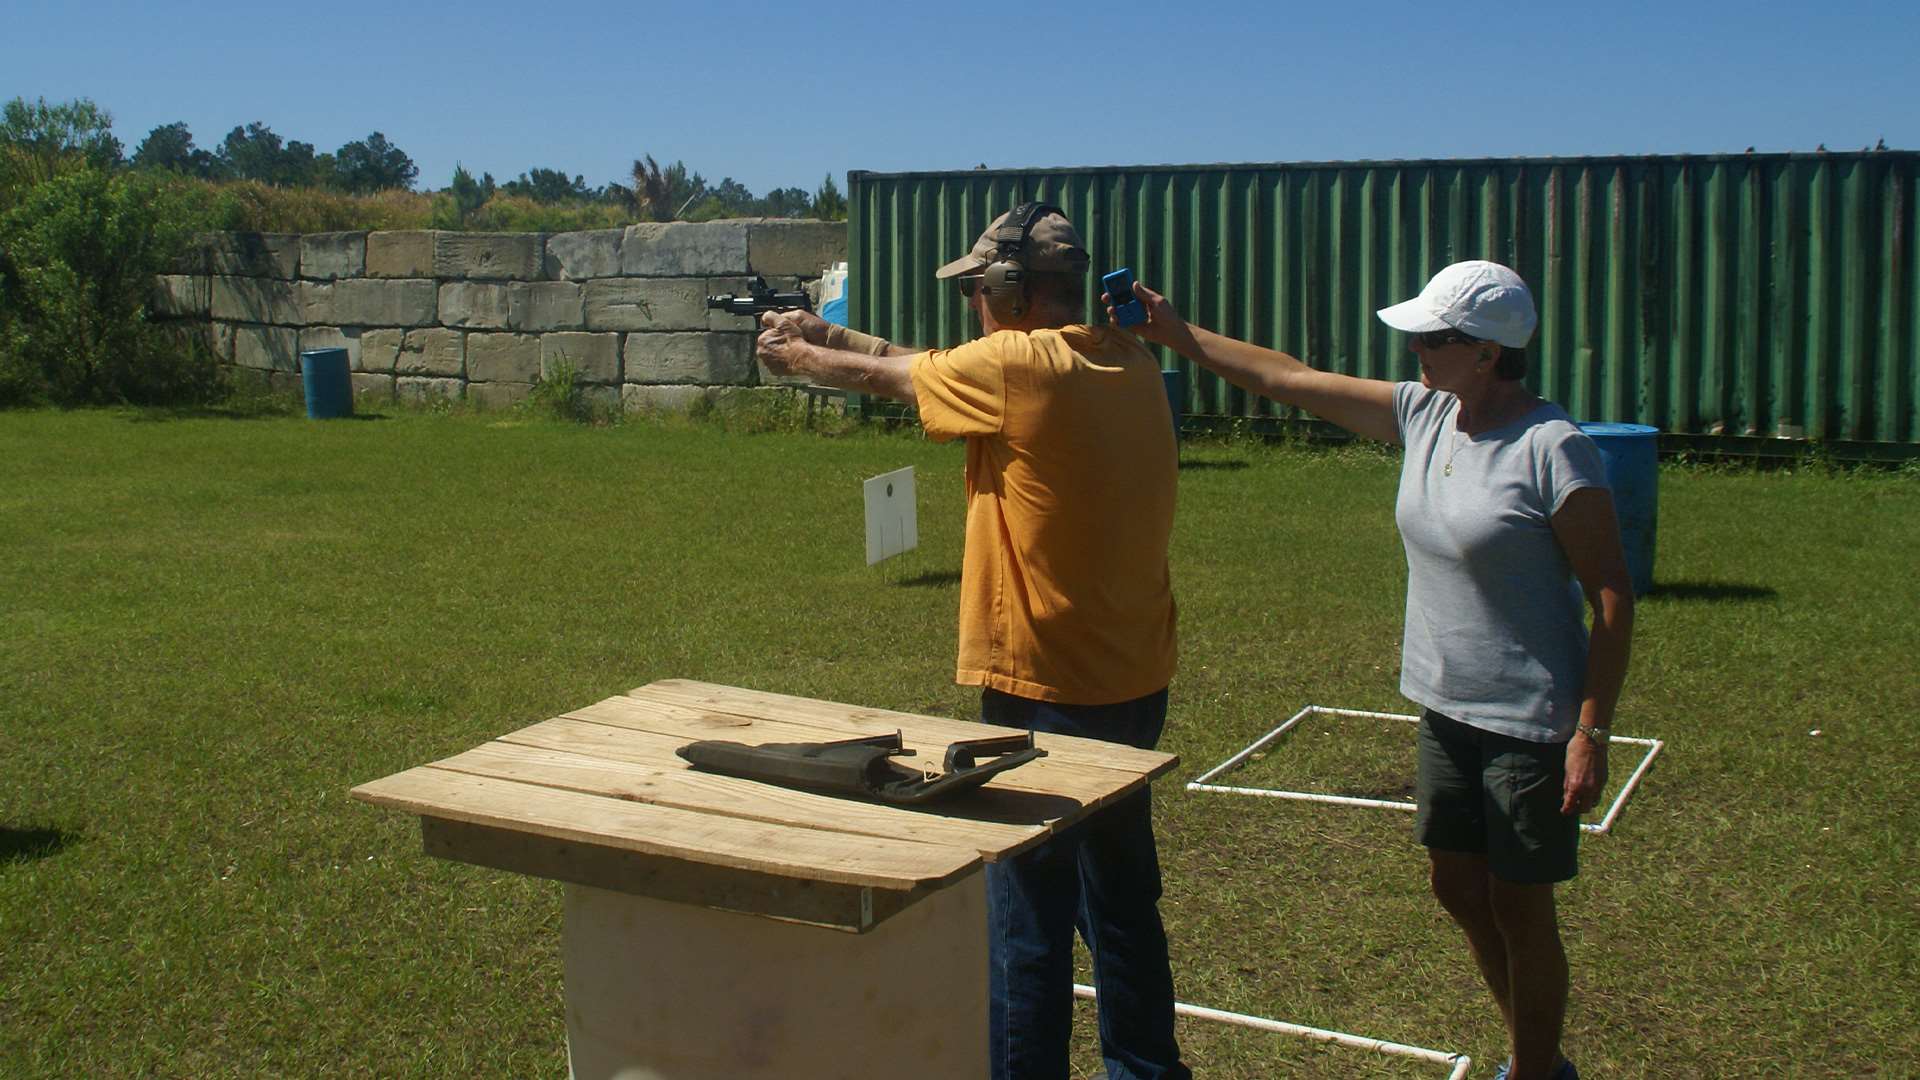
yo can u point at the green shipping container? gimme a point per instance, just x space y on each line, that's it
1758 295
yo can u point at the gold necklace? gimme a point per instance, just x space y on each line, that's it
1453 447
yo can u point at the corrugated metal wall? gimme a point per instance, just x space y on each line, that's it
1762 294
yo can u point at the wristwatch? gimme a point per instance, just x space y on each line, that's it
1595 734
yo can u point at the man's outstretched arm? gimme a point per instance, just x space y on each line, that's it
784 348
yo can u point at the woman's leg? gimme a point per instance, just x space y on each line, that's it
1461 883
1531 846
1536 974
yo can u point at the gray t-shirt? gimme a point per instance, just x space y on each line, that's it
1496 631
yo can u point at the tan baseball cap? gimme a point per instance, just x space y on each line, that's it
1052 244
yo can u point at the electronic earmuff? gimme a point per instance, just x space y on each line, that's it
1004 281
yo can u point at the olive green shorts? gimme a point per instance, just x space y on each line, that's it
1494 795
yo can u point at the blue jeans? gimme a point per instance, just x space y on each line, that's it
1102 877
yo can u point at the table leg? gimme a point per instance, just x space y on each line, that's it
664 991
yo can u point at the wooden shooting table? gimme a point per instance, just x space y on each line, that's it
722 927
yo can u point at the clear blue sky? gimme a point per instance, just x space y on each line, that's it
781 95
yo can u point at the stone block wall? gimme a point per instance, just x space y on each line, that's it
479 317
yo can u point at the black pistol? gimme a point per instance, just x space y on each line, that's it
759 299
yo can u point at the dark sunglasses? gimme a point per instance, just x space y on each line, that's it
1440 339
968 283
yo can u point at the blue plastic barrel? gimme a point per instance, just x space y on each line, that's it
323 372
1176 395
1631 452
835 311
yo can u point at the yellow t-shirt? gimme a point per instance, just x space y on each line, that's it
1071 473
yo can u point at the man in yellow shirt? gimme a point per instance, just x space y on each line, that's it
1066 611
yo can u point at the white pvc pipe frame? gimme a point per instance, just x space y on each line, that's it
1199 783
1460 1062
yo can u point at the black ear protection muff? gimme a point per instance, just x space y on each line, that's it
1005 278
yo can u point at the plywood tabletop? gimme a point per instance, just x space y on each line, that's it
598 796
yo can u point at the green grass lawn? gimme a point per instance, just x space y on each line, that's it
212 627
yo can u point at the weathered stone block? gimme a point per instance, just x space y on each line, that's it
639 398
431 352
503 357
270 255
219 339
372 388
800 248
577 256
333 337
265 348
601 400
255 381
182 294
372 302
415 390
214 337
326 256
496 396
256 300
406 254
473 304
380 350
707 359
648 304
497 256
316 302
766 377
196 259
595 357
201 334
545 305
683 248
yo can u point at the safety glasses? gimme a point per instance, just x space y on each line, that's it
1440 339
969 283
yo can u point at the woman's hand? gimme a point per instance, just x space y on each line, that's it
1164 325
1586 775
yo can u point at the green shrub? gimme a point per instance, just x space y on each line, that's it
518 213
78 257
246 206
558 393
39 141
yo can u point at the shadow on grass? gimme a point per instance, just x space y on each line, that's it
24 845
1194 465
930 579
1709 590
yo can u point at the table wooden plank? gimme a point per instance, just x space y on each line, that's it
679 834
1062 777
642 767
765 705
857 908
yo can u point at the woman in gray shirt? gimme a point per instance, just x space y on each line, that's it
1510 537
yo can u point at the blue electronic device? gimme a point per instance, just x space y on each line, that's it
1127 310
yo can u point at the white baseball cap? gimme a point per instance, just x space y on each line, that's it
1478 298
